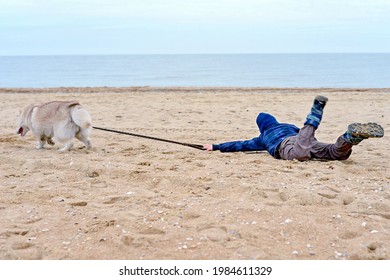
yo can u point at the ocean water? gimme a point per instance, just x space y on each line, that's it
243 70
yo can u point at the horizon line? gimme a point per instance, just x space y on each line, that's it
221 53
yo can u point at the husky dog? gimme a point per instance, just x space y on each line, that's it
61 120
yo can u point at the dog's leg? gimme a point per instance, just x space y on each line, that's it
67 147
83 136
40 145
41 142
50 141
88 144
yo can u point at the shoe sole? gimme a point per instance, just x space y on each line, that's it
366 130
321 99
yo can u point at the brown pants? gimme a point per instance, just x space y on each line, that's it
304 146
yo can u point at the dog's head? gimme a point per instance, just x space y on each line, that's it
22 127
23 121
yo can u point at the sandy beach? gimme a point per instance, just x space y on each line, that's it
134 198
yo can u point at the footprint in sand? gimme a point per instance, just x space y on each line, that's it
214 233
152 231
115 199
25 251
79 203
349 234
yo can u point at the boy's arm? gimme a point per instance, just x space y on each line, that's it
236 146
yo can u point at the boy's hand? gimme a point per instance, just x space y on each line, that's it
208 147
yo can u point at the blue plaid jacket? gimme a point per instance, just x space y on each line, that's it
272 133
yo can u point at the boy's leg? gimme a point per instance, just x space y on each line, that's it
315 116
299 147
342 149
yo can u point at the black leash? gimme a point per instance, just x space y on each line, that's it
195 146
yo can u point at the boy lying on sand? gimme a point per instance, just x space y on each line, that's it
286 141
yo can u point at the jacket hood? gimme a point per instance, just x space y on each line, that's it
265 120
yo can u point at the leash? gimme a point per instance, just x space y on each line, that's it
195 146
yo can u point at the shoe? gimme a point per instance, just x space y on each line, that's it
321 100
365 130
315 116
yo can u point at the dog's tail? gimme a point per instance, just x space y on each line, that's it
81 117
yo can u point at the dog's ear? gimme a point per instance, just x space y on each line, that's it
19 115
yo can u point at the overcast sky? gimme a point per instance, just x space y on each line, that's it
29 27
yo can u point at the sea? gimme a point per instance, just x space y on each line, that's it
357 70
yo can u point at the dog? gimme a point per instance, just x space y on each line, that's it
58 120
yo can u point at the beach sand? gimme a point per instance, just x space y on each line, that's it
134 198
